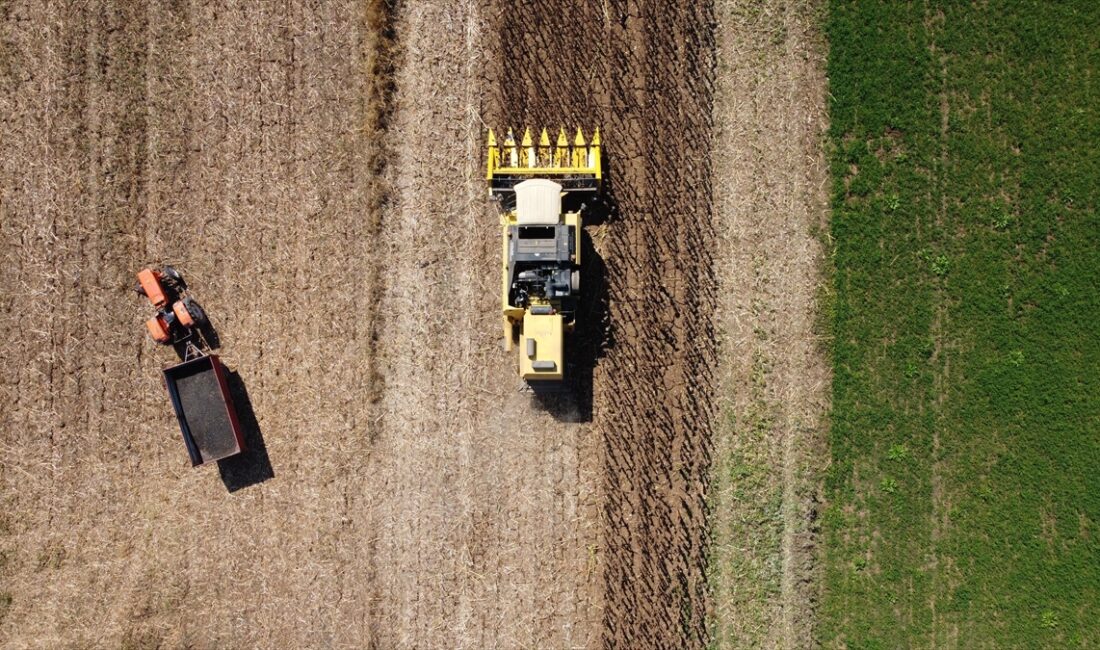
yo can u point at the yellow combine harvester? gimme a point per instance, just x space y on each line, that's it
541 188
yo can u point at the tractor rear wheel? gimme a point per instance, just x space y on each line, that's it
196 312
158 329
183 314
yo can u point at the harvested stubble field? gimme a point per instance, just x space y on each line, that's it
315 171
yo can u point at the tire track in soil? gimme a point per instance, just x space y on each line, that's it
643 71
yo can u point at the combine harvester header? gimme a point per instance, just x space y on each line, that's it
541 250
576 166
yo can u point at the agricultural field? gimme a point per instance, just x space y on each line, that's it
831 386
964 490
769 450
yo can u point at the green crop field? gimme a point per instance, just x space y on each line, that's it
964 489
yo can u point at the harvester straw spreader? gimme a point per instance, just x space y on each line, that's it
542 189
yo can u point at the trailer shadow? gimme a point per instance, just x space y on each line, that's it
593 335
253 466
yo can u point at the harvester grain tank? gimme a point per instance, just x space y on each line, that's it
541 189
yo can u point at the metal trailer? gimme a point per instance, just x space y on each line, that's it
204 407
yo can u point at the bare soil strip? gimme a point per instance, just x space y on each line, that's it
770 205
643 72
481 502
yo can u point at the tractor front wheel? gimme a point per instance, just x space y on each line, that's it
172 277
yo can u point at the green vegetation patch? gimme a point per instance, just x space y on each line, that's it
964 490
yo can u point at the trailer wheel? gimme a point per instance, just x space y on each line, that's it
575 280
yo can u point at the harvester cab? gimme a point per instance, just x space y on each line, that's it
541 189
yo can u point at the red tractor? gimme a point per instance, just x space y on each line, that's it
178 315
198 386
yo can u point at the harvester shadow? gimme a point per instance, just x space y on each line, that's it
253 466
592 338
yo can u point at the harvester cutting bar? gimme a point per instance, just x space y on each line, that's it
575 165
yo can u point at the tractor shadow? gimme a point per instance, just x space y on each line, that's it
209 335
253 466
593 336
